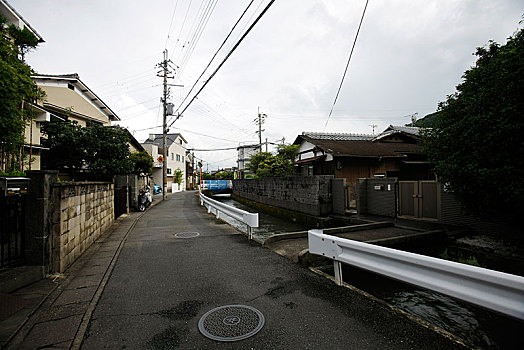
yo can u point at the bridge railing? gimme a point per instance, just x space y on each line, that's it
493 290
250 219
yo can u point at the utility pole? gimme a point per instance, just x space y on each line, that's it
164 73
260 120
266 144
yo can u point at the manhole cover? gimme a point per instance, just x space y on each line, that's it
231 322
187 234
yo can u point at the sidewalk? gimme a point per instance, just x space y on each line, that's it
49 313
142 286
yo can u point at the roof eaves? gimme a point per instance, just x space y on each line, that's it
26 23
75 79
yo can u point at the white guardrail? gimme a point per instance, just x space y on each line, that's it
493 290
250 219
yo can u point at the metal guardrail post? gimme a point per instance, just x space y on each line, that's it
337 266
494 290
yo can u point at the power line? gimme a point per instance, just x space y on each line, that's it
220 48
347 64
172 18
210 10
181 28
224 60
214 149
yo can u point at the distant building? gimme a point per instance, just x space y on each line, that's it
175 159
244 154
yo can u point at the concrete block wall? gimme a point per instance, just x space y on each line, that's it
84 212
305 194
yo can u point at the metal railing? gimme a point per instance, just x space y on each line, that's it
250 219
493 290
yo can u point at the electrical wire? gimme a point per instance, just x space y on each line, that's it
225 59
171 24
199 34
219 48
347 64
181 28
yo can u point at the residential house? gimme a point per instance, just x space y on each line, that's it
393 153
13 17
175 158
191 175
67 99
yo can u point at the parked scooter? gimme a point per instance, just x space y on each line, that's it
144 198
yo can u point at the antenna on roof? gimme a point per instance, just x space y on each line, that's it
373 126
414 118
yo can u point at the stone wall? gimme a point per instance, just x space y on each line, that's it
305 194
84 211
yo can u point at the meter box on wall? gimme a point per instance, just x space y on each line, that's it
12 186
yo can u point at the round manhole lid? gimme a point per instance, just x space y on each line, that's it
231 322
187 234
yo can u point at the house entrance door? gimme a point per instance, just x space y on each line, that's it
419 199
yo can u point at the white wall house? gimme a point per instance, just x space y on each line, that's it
244 153
176 153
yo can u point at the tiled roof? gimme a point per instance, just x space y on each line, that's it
157 139
412 131
337 136
363 147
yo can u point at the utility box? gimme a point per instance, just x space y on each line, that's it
12 186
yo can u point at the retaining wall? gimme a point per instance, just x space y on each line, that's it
304 194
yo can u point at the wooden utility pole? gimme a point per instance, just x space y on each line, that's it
260 120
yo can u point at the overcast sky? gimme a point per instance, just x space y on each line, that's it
408 57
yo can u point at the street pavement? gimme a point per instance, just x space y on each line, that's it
144 288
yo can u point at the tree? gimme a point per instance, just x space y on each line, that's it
177 176
256 159
225 175
107 150
104 150
476 142
264 164
142 162
16 87
66 143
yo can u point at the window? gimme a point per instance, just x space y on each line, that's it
182 159
180 141
172 156
178 157
71 86
168 170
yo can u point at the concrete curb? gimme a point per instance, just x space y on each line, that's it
334 230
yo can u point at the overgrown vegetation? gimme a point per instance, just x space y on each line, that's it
142 162
103 150
17 90
476 140
265 164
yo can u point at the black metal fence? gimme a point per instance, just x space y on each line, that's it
12 209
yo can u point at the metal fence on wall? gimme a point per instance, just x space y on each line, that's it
12 209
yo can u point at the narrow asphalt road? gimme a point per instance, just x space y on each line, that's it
162 285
